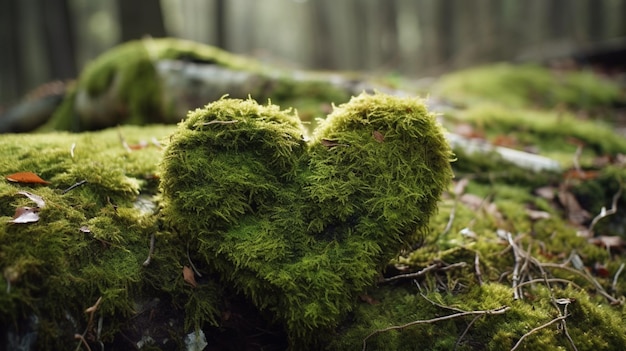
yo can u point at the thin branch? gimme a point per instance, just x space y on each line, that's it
72 187
458 341
585 275
551 280
619 271
534 330
219 122
517 256
435 266
605 212
191 263
479 275
150 251
498 310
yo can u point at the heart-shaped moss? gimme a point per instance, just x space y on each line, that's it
302 227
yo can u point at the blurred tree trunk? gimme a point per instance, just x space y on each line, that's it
10 66
139 18
60 41
220 24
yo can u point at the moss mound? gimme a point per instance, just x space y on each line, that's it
528 85
299 227
129 85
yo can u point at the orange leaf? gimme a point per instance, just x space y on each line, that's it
378 136
189 277
26 177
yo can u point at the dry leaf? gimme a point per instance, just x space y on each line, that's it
378 136
189 277
26 177
536 215
34 198
368 299
575 213
25 215
546 192
331 143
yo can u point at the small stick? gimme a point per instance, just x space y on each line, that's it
534 330
435 266
74 186
619 271
516 255
195 270
479 275
219 122
124 143
458 341
498 310
150 251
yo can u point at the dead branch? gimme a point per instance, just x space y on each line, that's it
534 330
150 251
619 271
439 266
587 277
516 267
479 275
498 310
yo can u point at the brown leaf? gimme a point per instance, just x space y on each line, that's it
378 136
575 213
26 177
546 192
189 277
25 215
368 299
34 198
331 143
536 215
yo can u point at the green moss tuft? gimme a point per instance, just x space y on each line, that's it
302 228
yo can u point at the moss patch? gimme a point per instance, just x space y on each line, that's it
301 228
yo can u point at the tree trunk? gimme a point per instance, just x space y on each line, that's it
139 18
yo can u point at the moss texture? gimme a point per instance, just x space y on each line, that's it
299 227
291 232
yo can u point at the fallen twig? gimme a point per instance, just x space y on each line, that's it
619 271
76 185
534 330
479 275
150 251
435 266
516 268
219 122
498 310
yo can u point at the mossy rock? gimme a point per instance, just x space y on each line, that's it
302 227
152 81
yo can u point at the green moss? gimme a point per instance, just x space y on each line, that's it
56 269
552 133
302 228
520 86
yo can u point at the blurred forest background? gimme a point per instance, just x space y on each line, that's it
46 40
